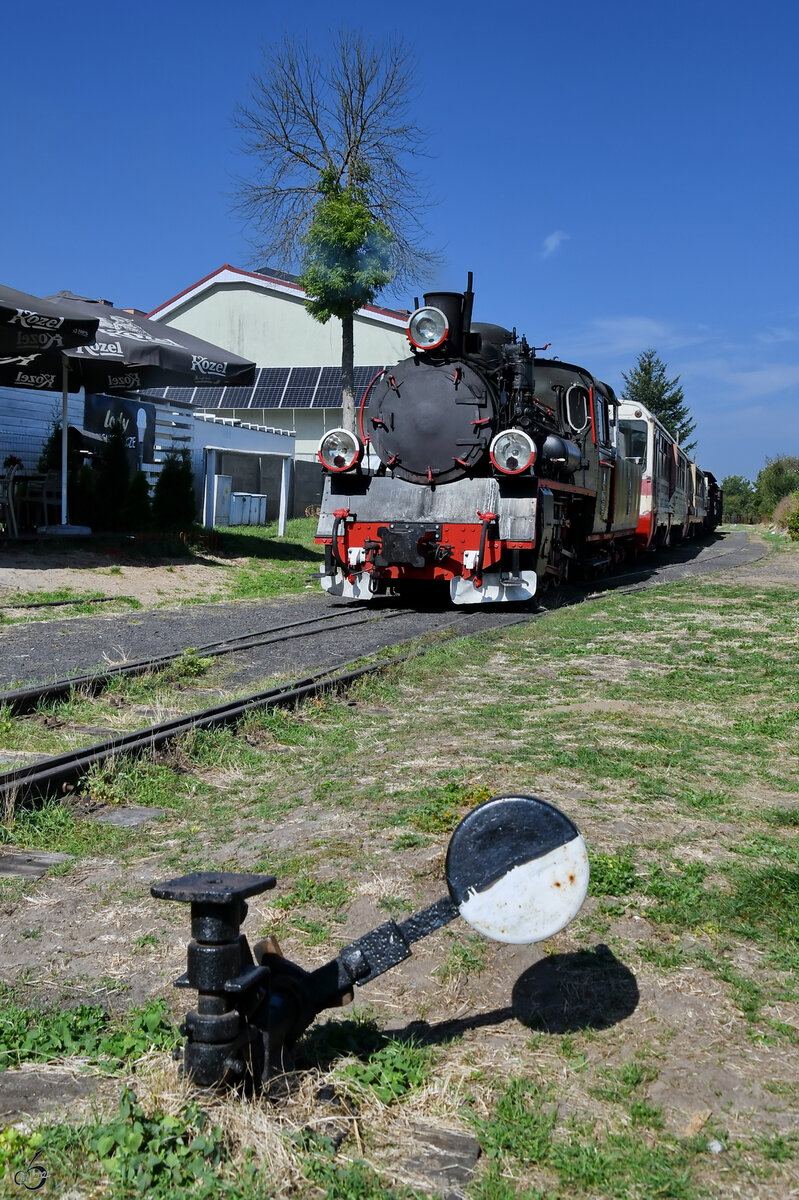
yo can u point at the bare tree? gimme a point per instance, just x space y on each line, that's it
347 114
339 124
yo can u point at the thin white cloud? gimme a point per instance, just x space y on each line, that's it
619 338
773 337
741 381
552 242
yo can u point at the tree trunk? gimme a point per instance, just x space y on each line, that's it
348 414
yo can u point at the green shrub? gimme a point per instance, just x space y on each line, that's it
173 496
792 520
111 477
137 513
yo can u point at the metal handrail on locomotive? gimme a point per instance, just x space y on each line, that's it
496 471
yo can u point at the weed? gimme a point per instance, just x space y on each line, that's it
146 941
438 810
467 957
135 781
613 874
189 665
318 932
7 723
409 841
390 1072
778 1148
620 1085
665 955
52 827
327 894
45 1035
788 817
350 1181
168 1156
395 905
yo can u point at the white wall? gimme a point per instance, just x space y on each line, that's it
274 330
308 424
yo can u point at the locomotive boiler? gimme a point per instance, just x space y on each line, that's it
477 465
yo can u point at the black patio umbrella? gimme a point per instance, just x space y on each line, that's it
129 353
30 325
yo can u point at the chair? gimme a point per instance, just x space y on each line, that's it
42 500
8 516
51 498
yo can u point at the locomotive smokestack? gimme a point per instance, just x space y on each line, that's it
451 304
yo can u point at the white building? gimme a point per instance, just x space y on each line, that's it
261 316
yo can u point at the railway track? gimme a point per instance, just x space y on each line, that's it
25 699
22 700
59 772
55 774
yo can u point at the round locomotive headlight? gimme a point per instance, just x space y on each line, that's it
428 328
512 451
339 450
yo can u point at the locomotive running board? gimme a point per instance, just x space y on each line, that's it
493 590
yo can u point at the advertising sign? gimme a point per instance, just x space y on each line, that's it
136 417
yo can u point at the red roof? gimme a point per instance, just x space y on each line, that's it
284 284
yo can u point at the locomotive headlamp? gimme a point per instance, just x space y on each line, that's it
339 450
512 451
428 328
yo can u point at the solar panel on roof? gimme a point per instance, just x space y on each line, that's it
179 393
277 387
209 397
364 376
269 387
237 397
301 387
328 392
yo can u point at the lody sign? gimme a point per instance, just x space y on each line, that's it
136 417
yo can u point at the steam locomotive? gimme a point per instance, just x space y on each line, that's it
479 466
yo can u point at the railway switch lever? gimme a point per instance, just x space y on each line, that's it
516 870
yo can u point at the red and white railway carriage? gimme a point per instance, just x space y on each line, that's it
674 490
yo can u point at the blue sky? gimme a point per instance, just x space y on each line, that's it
617 176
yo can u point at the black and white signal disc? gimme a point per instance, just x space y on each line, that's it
517 869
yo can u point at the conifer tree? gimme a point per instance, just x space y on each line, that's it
648 385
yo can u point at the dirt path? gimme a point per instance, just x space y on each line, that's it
112 573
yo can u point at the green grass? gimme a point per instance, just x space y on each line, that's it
664 723
526 1129
45 1035
81 604
276 566
53 828
464 956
